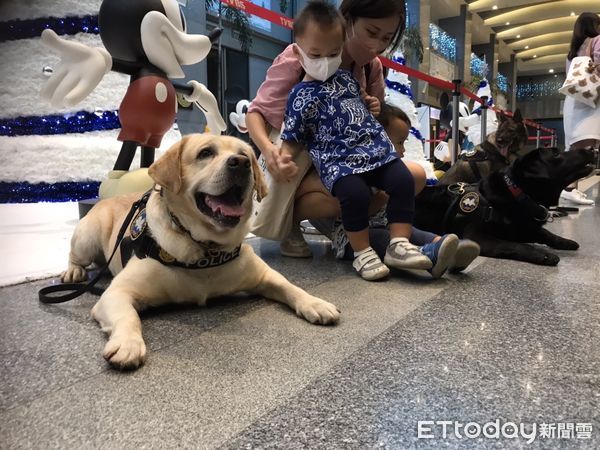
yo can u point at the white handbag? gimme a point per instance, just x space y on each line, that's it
583 80
273 216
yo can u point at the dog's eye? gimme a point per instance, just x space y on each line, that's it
205 153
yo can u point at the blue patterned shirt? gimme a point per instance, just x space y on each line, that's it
332 121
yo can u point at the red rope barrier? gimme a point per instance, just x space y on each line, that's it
259 11
542 138
443 84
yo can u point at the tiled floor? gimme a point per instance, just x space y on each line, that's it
507 341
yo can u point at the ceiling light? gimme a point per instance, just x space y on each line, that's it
495 7
426 48
535 56
526 47
518 36
551 71
572 13
507 23
555 76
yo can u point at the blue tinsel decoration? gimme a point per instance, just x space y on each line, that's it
478 66
78 122
47 192
399 87
502 82
442 42
538 88
26 29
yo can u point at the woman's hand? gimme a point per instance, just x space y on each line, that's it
373 104
280 164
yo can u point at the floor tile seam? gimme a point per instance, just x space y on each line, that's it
329 369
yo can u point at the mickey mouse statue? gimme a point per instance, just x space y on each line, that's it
238 118
147 40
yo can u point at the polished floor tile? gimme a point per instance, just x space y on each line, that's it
506 342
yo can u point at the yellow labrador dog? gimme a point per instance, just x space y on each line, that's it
185 246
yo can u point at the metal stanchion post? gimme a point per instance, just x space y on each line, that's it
484 108
538 136
455 104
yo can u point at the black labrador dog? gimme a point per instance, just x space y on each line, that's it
498 151
507 208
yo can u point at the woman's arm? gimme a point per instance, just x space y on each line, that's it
376 81
271 97
259 131
595 51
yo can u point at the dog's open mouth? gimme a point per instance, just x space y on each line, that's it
226 209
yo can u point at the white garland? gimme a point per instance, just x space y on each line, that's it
56 158
414 150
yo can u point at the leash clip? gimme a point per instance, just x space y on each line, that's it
457 188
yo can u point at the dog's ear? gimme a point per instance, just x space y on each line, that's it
517 117
166 171
259 180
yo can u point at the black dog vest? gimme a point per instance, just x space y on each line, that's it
142 244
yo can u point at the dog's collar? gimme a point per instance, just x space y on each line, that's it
206 245
142 244
538 212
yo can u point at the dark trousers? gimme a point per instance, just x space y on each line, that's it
354 194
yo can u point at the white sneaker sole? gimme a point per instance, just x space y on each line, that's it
421 262
464 256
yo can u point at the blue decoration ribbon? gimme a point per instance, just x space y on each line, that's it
24 192
399 87
416 133
13 30
78 122
399 60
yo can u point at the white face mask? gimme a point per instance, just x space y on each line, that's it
320 68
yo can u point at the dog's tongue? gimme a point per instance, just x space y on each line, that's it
220 207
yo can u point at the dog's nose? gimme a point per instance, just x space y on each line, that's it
238 163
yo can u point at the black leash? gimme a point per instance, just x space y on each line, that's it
81 288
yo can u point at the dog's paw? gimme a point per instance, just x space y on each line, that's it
318 311
125 353
565 244
74 274
550 259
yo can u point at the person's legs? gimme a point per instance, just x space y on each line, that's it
572 193
312 201
418 174
354 196
397 181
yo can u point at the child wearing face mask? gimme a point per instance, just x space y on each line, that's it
350 149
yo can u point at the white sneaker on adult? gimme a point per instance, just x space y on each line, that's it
294 245
577 197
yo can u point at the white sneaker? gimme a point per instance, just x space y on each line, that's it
369 266
401 254
294 245
577 197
